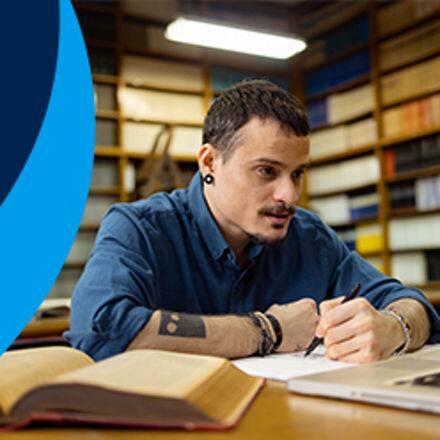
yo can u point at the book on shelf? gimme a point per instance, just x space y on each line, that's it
427 193
163 106
365 239
140 138
416 268
81 247
369 238
106 132
338 73
342 138
139 389
102 61
342 208
433 260
343 176
410 268
341 107
105 96
364 206
347 105
105 173
396 16
412 117
96 207
402 195
410 46
410 82
414 232
412 156
162 73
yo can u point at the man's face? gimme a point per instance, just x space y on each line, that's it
255 191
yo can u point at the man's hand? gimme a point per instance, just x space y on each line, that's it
357 332
298 321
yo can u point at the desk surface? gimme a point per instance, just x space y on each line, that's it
279 414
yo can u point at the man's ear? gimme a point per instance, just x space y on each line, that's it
208 158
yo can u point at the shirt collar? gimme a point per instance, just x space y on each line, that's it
207 226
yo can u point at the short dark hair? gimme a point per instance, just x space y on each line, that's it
244 100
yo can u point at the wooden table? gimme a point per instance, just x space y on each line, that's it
277 414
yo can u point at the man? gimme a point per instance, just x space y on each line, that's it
230 266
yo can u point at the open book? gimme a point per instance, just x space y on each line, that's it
142 388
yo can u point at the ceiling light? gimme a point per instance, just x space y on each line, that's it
208 34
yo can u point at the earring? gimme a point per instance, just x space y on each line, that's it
208 179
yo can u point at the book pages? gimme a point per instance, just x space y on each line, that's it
20 371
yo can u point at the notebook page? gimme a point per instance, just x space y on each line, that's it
284 366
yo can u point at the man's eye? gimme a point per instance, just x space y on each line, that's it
266 171
297 174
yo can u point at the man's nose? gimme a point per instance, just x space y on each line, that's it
287 192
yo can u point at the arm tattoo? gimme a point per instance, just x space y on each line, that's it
181 324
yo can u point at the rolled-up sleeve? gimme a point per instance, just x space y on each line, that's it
116 294
350 268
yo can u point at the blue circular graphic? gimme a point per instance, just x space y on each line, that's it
47 157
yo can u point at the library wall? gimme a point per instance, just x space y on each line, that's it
371 87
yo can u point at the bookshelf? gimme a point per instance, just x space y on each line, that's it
402 135
361 120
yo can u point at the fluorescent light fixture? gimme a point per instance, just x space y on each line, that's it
208 34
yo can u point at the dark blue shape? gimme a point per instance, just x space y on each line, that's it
29 32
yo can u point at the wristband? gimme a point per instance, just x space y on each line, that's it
266 344
277 329
406 330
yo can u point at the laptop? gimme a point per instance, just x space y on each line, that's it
411 381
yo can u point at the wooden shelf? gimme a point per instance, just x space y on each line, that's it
146 86
342 191
107 151
107 114
387 142
160 55
345 122
358 151
91 227
100 78
425 172
356 82
137 155
340 56
411 212
110 191
74 265
360 222
164 122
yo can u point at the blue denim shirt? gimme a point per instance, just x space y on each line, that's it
167 252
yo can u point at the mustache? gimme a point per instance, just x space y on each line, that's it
280 209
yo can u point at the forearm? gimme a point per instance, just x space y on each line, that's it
229 336
417 318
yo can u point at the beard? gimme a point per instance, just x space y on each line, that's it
266 241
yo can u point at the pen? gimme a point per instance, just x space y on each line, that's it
351 295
